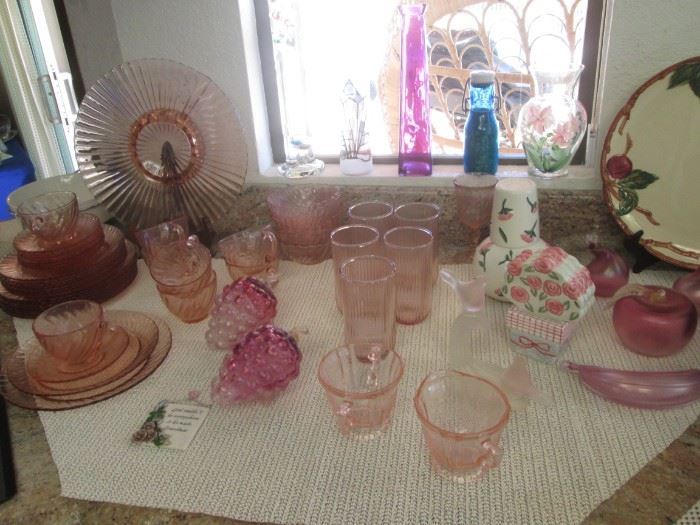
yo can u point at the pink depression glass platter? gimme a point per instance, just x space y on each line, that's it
649 164
156 139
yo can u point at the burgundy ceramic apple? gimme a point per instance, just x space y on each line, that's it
609 272
658 322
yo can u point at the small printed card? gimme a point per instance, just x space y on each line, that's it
171 425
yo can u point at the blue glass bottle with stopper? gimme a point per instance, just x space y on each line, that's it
481 129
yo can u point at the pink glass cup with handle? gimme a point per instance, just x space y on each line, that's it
71 332
422 215
377 214
368 293
360 382
351 241
462 417
412 250
251 253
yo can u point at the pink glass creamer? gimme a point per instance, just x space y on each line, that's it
689 285
656 322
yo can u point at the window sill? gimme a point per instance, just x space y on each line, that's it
580 178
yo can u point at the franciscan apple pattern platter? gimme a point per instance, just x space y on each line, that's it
650 164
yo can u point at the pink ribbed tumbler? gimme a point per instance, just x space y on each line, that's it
378 214
369 300
351 241
412 250
422 215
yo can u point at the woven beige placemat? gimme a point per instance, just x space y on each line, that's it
284 462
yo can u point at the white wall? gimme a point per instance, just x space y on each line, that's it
94 36
645 37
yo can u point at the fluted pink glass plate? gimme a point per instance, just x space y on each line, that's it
156 139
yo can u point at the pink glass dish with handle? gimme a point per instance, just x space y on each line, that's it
70 331
462 417
252 253
360 382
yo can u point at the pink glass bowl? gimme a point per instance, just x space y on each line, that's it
51 216
257 368
243 305
360 382
462 417
70 331
658 323
306 254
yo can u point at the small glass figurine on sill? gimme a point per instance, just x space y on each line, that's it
355 152
300 160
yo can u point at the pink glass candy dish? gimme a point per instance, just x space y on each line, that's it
640 389
655 322
462 417
51 216
258 368
243 305
70 332
360 382
689 285
609 272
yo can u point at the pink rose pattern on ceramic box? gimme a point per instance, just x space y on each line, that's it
549 283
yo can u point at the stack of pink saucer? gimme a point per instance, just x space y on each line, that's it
85 260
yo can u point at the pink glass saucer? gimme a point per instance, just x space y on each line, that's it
134 322
47 369
87 236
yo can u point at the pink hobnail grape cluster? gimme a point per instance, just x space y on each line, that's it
258 367
242 306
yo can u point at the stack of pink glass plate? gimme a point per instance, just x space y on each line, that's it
94 262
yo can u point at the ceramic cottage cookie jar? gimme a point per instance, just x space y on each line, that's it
514 235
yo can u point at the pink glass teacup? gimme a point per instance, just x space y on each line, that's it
70 332
360 383
179 262
150 239
462 416
251 253
189 304
51 216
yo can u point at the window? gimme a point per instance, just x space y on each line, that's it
315 46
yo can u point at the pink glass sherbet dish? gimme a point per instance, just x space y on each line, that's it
258 368
360 382
243 305
70 331
462 417
655 322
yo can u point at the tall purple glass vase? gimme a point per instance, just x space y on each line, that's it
414 128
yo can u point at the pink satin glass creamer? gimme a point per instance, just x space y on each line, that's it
657 322
609 272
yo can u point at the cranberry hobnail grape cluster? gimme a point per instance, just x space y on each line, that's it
243 306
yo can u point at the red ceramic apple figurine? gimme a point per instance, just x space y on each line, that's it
657 322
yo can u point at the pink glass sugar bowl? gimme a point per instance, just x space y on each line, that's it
252 253
258 368
51 216
360 382
463 417
71 331
654 321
